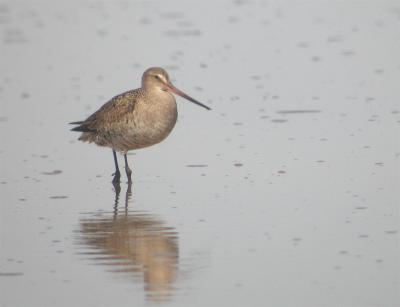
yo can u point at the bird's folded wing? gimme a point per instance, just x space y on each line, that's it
110 114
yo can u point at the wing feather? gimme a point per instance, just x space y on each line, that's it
110 113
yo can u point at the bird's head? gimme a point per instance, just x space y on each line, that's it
156 78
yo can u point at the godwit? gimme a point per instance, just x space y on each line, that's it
135 119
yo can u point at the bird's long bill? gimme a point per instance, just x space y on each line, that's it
174 90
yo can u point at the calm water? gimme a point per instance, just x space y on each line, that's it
285 194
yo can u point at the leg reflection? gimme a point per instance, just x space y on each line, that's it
148 247
128 197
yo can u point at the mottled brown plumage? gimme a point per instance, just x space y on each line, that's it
135 119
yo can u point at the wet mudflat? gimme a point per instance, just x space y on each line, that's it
285 194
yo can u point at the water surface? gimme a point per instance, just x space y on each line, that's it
285 194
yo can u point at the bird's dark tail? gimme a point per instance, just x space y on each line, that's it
81 128
77 123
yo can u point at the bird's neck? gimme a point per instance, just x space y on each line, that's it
157 95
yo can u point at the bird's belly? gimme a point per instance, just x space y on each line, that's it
150 131
152 134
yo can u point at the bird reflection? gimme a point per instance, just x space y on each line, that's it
132 243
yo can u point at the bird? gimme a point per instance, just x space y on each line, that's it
135 119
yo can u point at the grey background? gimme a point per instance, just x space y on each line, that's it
285 194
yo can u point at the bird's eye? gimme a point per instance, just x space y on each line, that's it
157 77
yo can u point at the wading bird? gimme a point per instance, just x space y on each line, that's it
135 119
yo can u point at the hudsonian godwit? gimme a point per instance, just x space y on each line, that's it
135 119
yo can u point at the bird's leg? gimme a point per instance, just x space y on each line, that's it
127 169
117 174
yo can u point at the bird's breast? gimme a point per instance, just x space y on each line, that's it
154 119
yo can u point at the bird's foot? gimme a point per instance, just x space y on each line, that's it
117 187
129 175
116 181
116 178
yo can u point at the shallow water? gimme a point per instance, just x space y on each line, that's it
285 194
